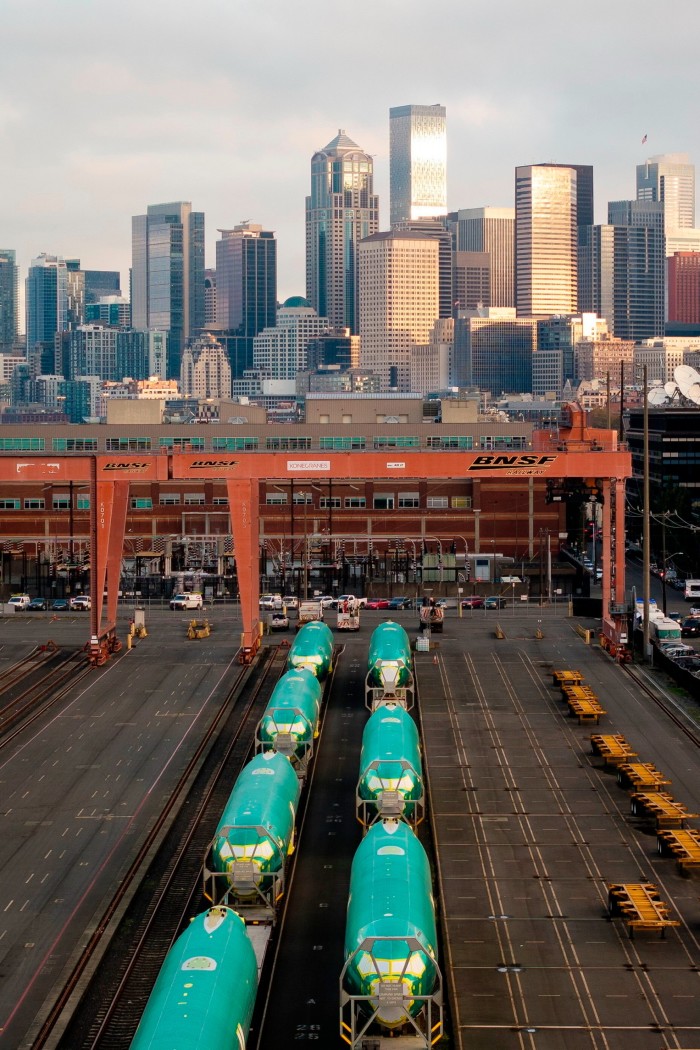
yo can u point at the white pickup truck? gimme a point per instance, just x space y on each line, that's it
359 602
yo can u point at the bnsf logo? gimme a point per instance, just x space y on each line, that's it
504 462
126 466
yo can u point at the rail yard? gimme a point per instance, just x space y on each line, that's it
563 844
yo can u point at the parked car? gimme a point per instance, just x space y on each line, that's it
495 601
674 649
677 616
60 605
328 601
81 602
400 603
690 627
694 609
474 601
361 603
688 663
270 601
279 621
377 603
191 600
37 605
290 601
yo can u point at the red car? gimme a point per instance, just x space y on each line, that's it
377 603
473 602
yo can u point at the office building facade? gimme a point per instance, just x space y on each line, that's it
281 351
684 287
46 306
205 371
494 351
341 210
246 289
669 179
167 282
399 302
417 162
9 300
490 230
545 240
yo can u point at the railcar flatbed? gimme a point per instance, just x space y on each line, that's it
639 905
612 748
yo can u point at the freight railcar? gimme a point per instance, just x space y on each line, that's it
389 667
290 722
205 992
391 977
391 774
313 649
246 859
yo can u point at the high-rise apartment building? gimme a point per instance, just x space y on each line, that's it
545 240
46 307
399 302
9 303
205 371
670 179
99 283
167 278
93 352
281 351
684 287
417 162
490 230
341 210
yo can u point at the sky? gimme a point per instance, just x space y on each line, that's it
108 107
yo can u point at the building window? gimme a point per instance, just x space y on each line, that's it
304 497
500 441
220 501
288 444
21 444
340 443
330 503
460 441
141 503
400 441
194 498
74 444
383 501
34 504
355 502
128 444
437 503
408 500
10 504
461 503
276 499
61 502
82 503
169 499
234 444
182 444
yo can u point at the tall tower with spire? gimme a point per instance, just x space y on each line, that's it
341 210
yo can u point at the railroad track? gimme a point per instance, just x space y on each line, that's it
667 708
25 708
24 667
110 1009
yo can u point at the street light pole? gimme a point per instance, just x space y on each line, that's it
646 577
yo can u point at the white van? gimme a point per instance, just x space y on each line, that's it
692 591
20 601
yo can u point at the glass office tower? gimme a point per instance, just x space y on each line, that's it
670 179
341 210
9 283
167 280
545 240
46 303
417 162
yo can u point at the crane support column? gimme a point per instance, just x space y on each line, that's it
620 564
606 557
108 504
244 499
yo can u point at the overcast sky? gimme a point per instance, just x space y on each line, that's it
108 107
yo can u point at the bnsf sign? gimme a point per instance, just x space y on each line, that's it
516 464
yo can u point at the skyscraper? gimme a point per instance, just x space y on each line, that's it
9 282
417 162
46 307
491 230
246 286
399 302
684 287
545 240
670 179
584 191
205 370
623 269
167 282
341 210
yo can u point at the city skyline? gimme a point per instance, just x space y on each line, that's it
153 125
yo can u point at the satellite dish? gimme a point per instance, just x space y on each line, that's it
657 396
694 393
686 377
671 389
